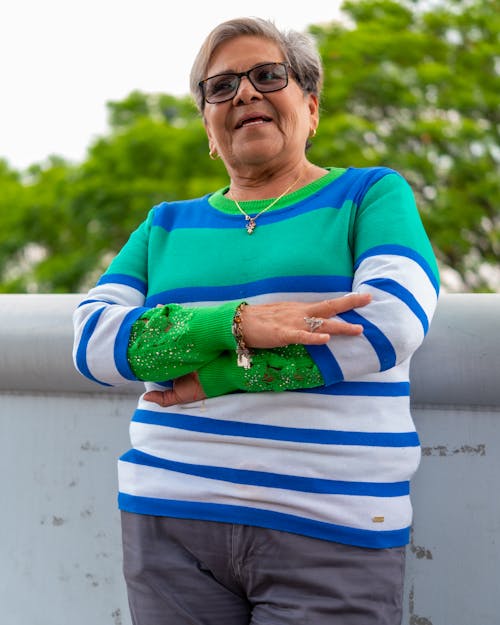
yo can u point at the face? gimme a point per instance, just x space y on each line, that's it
258 128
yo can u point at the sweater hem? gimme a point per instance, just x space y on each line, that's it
242 515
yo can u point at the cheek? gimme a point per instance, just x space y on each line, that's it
214 125
295 117
296 122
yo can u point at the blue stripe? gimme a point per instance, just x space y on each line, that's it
278 433
272 480
403 294
95 301
280 284
357 181
401 250
81 353
350 186
199 213
326 363
380 343
255 517
362 389
121 343
122 278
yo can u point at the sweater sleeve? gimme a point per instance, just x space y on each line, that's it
280 369
104 319
169 341
394 262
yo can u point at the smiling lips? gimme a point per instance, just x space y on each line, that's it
253 121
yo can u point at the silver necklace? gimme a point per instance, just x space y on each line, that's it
250 221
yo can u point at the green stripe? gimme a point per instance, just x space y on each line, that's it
133 260
393 223
230 256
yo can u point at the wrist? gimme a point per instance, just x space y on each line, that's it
244 356
212 326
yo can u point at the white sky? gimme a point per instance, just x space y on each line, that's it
62 60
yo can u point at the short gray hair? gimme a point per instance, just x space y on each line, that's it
299 50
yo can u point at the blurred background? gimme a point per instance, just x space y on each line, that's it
96 125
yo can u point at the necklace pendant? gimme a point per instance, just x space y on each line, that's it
250 225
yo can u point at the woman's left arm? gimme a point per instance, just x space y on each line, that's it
395 264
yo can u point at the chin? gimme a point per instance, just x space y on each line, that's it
256 152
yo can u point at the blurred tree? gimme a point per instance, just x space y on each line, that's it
418 89
12 236
407 85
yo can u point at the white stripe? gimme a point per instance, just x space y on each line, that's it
120 294
405 271
352 511
401 373
100 349
395 320
311 411
269 298
354 355
310 460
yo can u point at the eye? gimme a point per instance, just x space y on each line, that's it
221 84
272 76
267 75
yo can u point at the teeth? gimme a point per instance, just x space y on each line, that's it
252 122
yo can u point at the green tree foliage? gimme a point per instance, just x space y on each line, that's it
409 86
419 91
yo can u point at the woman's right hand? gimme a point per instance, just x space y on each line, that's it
283 323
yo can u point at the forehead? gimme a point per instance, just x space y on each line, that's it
241 53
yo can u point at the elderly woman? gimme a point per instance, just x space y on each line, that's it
273 322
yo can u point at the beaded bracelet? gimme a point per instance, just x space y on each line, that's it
244 357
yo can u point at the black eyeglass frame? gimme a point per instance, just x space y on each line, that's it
239 76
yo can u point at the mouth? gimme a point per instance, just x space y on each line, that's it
254 120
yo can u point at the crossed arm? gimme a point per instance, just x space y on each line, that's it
165 345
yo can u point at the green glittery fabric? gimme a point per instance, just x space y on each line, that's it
161 347
279 369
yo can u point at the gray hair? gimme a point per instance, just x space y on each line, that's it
299 50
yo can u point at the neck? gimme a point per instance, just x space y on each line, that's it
266 184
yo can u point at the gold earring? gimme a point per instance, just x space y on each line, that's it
312 133
213 154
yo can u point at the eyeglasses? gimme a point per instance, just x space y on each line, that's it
265 78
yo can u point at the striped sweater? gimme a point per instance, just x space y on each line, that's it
332 462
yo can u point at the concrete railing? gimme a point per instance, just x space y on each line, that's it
60 549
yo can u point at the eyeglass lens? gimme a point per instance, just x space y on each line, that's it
265 78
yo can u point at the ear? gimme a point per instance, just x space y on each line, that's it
211 142
313 104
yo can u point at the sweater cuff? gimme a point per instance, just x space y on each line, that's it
214 324
221 376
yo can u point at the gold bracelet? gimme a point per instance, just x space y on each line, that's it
244 357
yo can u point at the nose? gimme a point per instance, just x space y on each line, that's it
246 92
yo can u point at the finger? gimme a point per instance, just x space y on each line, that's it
334 326
162 398
304 337
331 307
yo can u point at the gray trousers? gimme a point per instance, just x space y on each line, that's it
185 572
